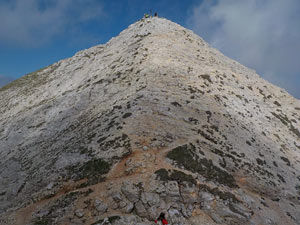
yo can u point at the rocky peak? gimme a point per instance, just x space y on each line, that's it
154 121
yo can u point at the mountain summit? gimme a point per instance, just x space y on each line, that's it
154 121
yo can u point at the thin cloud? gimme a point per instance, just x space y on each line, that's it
34 22
261 34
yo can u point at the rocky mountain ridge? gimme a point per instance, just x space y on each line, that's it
155 120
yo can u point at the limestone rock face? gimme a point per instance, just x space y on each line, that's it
154 121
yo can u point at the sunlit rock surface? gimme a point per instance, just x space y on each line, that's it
154 121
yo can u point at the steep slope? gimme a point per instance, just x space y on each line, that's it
154 120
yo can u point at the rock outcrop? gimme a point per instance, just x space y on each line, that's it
154 121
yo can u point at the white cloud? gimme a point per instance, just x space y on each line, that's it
262 34
33 22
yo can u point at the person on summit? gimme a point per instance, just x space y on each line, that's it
161 219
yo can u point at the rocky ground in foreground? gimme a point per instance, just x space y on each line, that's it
154 121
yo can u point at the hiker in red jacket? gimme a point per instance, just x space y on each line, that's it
162 218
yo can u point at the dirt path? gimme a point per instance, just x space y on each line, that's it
139 165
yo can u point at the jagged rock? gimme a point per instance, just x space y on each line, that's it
105 221
218 219
79 213
225 212
42 213
132 192
129 208
153 212
172 189
100 206
248 200
130 166
150 198
157 187
140 209
270 221
143 198
174 212
189 193
117 197
186 210
206 197
240 209
113 205
122 204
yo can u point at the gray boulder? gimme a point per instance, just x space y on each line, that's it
100 206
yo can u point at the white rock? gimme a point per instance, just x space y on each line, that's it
79 213
50 186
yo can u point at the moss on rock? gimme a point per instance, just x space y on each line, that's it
93 170
43 222
185 156
174 175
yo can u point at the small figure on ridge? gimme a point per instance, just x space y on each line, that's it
161 219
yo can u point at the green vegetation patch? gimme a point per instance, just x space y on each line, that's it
206 77
283 118
118 142
185 156
126 115
295 131
93 170
65 201
30 81
207 136
288 163
277 103
43 222
174 175
176 104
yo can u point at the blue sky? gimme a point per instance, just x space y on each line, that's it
261 34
